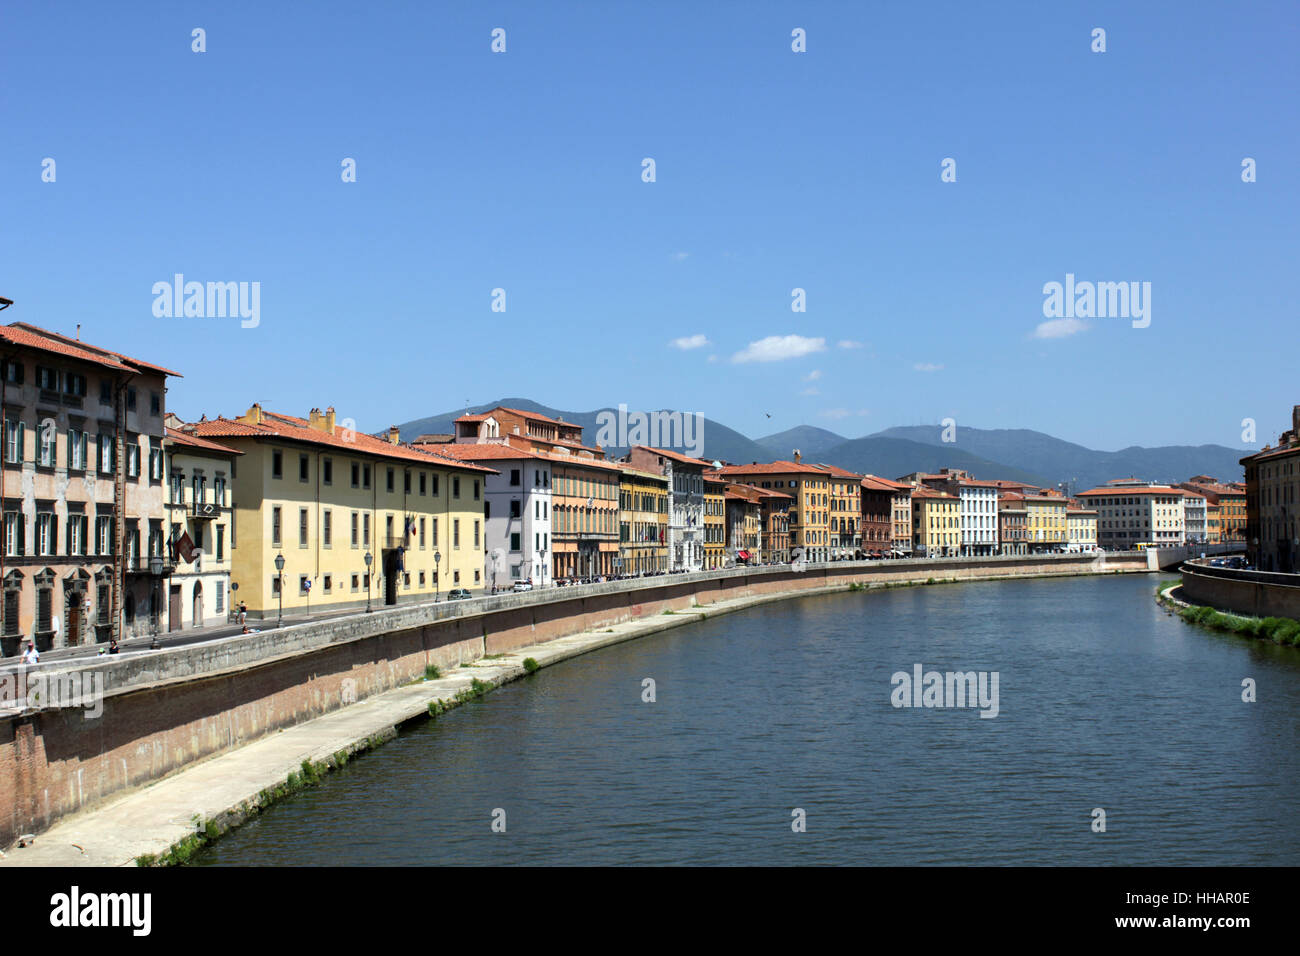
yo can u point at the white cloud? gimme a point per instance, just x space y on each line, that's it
850 344
776 348
836 413
1060 328
687 342
813 375
680 256
927 367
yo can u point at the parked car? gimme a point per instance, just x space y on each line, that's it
523 586
458 594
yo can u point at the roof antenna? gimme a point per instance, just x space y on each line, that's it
78 331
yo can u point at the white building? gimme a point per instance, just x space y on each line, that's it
516 510
1195 514
1132 512
200 529
979 509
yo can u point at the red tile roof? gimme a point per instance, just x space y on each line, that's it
771 468
181 438
876 483
291 428
1139 490
678 457
31 336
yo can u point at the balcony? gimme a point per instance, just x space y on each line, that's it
202 511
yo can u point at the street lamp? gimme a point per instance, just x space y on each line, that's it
279 570
542 583
369 558
437 575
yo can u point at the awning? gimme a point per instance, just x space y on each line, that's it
743 555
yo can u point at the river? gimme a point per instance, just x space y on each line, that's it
1104 701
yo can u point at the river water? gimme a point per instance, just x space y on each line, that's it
1104 701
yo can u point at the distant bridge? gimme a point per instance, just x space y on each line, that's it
1170 559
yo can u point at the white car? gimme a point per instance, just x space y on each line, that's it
523 586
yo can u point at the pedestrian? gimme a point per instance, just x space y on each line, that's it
30 654
243 613
112 646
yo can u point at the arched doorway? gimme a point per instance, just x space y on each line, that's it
76 607
196 616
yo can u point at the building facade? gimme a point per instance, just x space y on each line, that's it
313 500
979 508
808 486
83 556
936 523
744 523
844 523
1013 523
642 521
686 510
199 520
517 509
715 523
1229 501
878 498
1081 529
1272 529
1130 513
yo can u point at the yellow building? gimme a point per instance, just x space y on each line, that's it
1045 524
324 498
810 511
936 523
715 523
1081 529
642 521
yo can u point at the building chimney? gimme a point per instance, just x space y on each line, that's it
797 457
329 419
254 414
394 435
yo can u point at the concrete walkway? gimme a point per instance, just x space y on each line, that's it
227 789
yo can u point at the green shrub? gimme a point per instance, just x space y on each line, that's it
530 665
432 672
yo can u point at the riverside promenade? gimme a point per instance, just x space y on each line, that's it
192 740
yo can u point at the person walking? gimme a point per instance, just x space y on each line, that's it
30 654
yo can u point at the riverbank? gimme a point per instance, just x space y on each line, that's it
165 821
1279 630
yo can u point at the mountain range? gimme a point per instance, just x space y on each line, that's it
1017 454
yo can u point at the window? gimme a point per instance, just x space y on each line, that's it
354 529
155 408
365 476
304 584
424 481
13 372
455 533
434 479
406 482
356 475
277 464
133 459
302 527
155 462
455 486
514 476
106 393
15 439
275 526
219 491
355 579
328 585
275 585
14 544
514 541
365 536
389 484
327 471
421 533
327 529
130 399
304 470
476 534
221 546
103 534
46 437
435 531
514 507
476 489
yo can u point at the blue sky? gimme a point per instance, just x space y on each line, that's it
775 170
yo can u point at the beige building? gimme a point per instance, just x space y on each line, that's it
83 542
1081 529
1272 529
